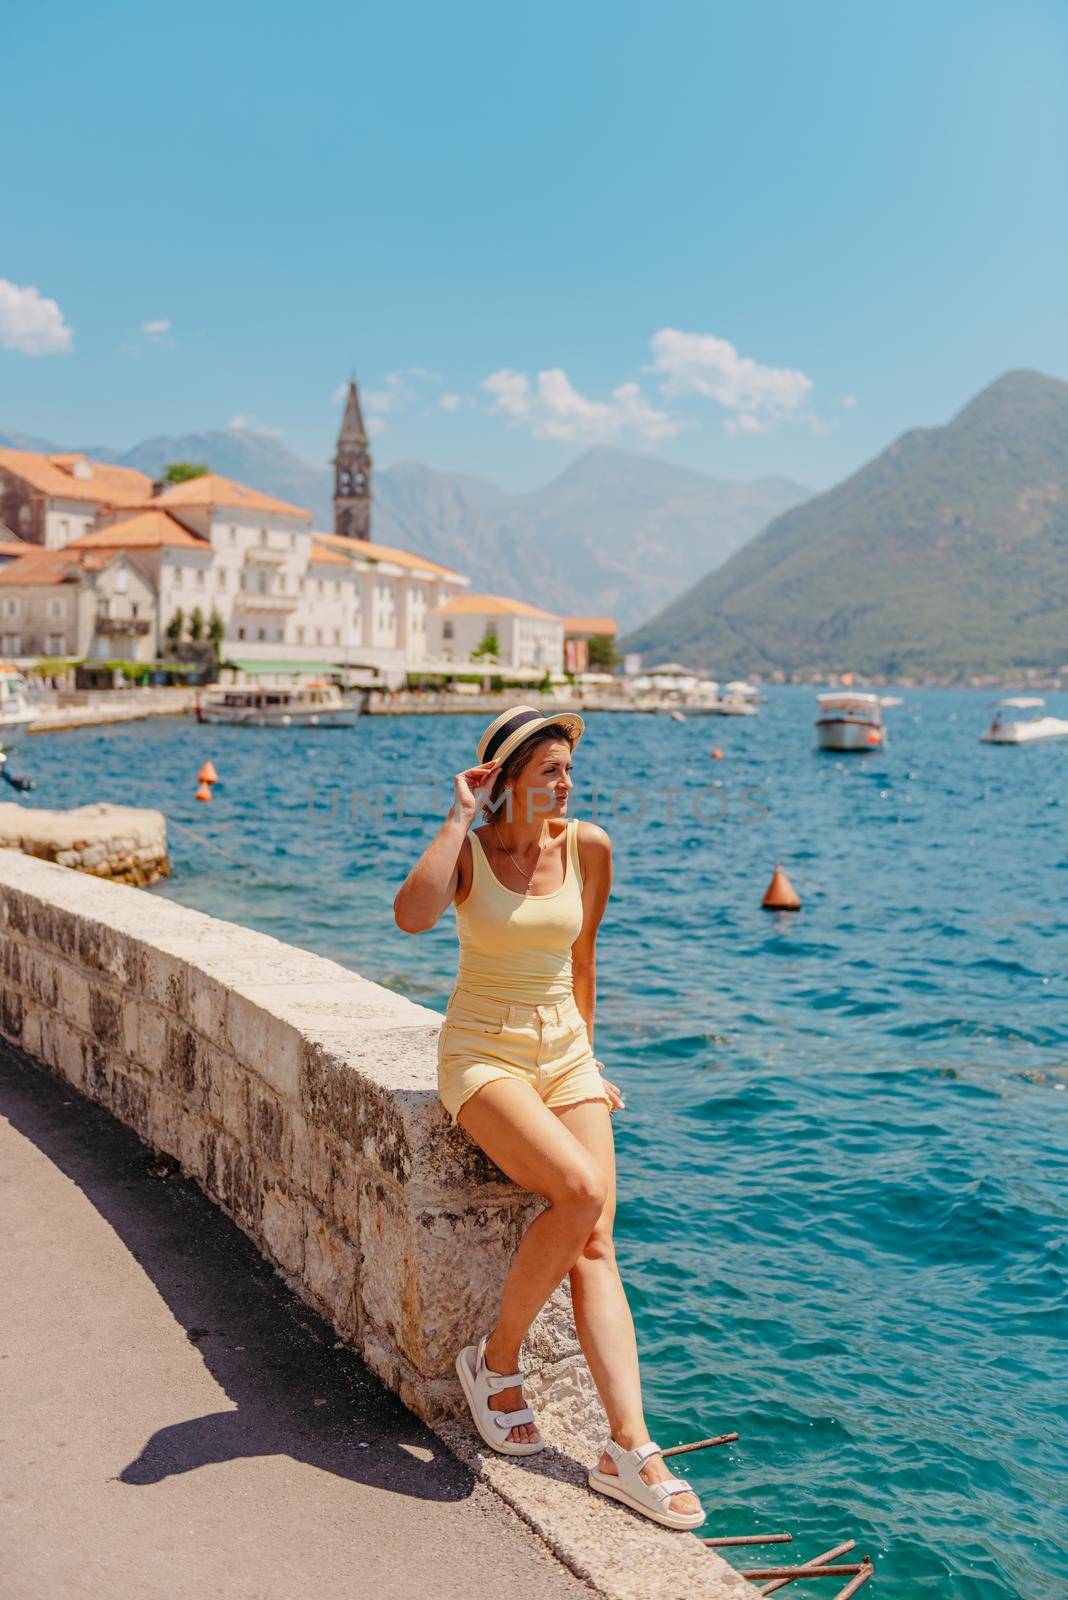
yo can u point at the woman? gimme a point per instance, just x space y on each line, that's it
516 1071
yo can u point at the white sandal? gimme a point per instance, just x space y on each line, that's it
479 1382
630 1487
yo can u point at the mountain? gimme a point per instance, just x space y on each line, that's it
616 534
946 555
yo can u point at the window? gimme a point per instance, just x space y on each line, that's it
300 635
24 516
446 630
179 576
281 583
240 633
122 581
261 633
200 577
11 644
55 644
337 586
322 586
318 635
223 577
11 608
57 608
64 530
337 635
233 535
262 582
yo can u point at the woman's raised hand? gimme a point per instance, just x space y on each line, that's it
471 788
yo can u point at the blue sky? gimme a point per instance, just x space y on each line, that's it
753 239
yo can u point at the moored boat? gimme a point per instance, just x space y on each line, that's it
1022 730
16 712
311 703
849 720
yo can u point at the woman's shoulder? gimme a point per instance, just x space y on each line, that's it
591 839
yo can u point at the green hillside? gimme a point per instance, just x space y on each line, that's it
946 555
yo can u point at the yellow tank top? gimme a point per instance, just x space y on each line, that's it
517 947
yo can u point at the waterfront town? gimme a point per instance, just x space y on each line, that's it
100 566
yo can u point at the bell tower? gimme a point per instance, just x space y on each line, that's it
352 473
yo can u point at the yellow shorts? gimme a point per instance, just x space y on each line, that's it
545 1045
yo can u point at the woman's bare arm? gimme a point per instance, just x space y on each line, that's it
596 856
431 885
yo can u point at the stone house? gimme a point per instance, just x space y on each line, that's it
77 604
51 500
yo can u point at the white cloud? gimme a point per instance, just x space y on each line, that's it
745 422
848 402
156 330
699 363
31 323
242 424
450 402
553 408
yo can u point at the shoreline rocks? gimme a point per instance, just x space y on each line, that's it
123 843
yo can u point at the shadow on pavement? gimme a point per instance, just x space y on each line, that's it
295 1392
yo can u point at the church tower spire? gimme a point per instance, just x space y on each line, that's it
352 472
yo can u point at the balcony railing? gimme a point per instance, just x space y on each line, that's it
249 600
137 627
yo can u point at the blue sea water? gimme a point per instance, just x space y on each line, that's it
842 1161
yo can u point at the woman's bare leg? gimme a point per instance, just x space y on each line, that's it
603 1319
515 1128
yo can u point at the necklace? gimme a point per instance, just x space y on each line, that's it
513 860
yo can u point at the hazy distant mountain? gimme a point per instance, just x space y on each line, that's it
616 533
947 554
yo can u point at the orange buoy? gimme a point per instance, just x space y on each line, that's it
780 894
207 774
717 753
204 792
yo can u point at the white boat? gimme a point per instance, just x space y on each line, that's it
849 720
736 699
1022 730
310 703
16 712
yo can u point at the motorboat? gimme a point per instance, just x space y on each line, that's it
307 703
735 699
849 720
1022 730
16 711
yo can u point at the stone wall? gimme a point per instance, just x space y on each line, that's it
302 1098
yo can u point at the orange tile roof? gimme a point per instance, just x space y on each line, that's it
211 490
485 604
46 567
140 530
589 625
54 476
352 548
321 551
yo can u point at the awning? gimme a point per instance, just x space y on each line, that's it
283 669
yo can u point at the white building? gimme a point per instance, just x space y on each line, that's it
527 637
77 604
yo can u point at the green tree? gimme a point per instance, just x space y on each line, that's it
182 471
490 646
603 654
175 628
216 632
196 625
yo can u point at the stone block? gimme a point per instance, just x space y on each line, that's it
283 1228
272 1048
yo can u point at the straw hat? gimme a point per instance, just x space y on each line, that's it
517 724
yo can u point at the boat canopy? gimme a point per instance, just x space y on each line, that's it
847 697
1021 702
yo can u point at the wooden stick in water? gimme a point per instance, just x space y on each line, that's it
755 1574
699 1444
818 1561
752 1538
866 1571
